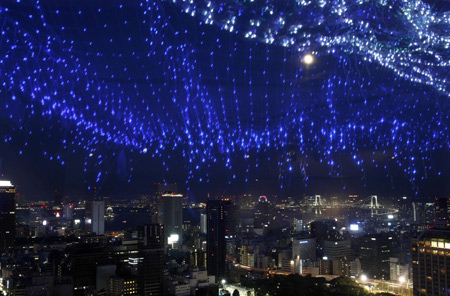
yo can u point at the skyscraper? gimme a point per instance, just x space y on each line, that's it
375 252
431 263
164 188
151 264
57 198
203 223
221 224
442 213
172 218
95 216
7 215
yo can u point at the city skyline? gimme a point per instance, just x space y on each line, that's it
225 148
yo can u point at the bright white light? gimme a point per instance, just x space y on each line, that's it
6 184
44 222
77 221
173 239
224 282
390 216
401 279
308 59
363 277
354 227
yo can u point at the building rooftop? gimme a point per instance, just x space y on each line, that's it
435 233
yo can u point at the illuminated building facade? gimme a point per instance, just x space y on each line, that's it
431 263
123 286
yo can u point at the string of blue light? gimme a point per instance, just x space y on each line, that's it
117 77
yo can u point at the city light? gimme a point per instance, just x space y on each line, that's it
308 59
354 227
173 239
5 183
284 121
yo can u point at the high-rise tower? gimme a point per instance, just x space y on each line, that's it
95 216
151 263
7 215
172 218
431 263
221 224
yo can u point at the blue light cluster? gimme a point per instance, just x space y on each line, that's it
221 83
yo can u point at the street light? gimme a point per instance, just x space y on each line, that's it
223 282
363 277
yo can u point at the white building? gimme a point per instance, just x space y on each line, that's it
95 216
398 272
172 218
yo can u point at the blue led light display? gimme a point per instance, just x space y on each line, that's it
234 84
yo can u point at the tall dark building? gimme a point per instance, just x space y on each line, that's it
58 198
172 218
375 251
221 225
151 263
165 188
431 263
262 213
442 213
7 215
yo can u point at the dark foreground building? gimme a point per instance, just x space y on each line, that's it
7 215
375 251
221 222
151 264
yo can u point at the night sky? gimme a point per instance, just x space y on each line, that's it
213 95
